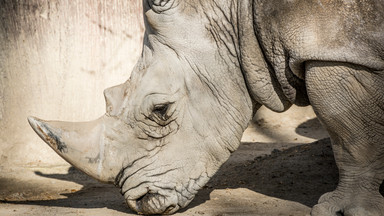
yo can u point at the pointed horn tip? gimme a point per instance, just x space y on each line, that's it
34 122
38 126
31 120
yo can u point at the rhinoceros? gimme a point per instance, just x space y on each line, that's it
206 68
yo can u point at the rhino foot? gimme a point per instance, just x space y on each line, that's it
339 203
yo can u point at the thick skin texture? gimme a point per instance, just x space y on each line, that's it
352 112
207 66
334 51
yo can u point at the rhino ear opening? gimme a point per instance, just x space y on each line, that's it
161 5
160 2
114 98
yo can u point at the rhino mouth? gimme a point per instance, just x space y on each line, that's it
158 193
153 203
156 199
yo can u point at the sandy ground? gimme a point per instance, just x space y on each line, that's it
283 165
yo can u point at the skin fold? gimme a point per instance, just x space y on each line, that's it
205 69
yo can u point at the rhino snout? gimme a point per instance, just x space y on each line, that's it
164 195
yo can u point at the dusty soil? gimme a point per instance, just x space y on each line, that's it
283 173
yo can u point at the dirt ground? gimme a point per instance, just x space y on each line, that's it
283 165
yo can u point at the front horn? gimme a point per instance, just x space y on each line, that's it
80 144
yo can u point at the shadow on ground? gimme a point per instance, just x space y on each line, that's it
92 194
311 128
301 174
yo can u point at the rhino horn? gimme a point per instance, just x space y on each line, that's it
80 144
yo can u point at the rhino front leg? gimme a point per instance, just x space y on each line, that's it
349 101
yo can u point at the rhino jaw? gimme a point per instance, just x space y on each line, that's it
80 144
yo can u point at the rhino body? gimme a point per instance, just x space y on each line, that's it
206 67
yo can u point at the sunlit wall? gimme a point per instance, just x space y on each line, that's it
56 58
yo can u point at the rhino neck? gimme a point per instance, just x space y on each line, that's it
258 74
220 71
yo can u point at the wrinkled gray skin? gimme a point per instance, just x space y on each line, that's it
206 67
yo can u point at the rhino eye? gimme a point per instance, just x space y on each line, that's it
161 111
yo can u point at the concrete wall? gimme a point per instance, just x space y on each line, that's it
56 58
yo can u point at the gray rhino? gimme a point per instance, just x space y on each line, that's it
206 68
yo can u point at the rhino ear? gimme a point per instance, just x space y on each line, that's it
160 2
160 5
114 98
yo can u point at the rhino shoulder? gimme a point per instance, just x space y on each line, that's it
322 30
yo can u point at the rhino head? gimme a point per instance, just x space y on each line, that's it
170 127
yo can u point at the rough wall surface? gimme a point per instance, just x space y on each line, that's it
56 58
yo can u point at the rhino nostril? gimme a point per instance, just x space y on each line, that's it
169 209
139 203
141 198
154 203
149 204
